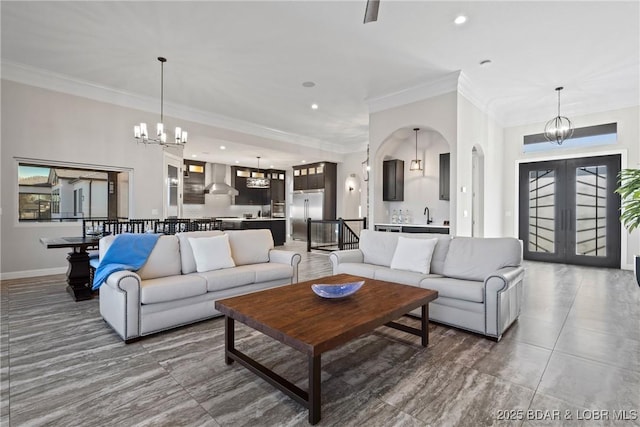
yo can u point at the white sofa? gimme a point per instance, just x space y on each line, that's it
479 280
168 291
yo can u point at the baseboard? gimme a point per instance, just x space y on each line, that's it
32 273
626 267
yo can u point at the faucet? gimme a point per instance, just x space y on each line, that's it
427 213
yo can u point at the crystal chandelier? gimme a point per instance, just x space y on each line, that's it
559 128
257 181
416 163
140 132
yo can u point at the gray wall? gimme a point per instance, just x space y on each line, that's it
52 126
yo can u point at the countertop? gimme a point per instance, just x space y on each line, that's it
412 225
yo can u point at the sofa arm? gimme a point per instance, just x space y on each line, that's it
120 303
286 257
503 291
347 255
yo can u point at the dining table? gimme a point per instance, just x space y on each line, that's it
78 275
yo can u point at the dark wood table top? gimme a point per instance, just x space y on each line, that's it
69 242
296 316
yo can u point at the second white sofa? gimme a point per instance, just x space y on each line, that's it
169 291
479 280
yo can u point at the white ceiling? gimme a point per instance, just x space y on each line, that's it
241 64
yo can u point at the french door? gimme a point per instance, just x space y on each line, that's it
569 212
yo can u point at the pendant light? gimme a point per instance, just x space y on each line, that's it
256 181
559 128
416 163
140 132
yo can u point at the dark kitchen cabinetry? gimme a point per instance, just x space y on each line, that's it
277 190
315 176
277 227
258 196
248 196
445 172
393 180
193 183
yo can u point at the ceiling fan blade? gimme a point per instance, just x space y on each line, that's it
371 11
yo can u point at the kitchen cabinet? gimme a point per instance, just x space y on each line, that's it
300 178
393 180
247 196
258 196
277 190
444 179
412 228
314 176
193 183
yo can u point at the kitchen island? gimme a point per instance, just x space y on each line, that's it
276 225
413 228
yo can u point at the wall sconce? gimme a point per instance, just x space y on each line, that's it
351 188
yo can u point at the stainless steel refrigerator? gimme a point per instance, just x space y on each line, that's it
306 204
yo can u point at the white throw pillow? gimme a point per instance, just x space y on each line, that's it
413 254
211 253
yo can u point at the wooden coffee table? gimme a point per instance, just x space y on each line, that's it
297 317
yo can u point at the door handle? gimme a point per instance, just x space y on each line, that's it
569 220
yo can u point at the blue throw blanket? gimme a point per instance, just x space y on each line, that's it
128 251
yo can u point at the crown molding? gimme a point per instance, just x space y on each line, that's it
466 89
445 84
33 76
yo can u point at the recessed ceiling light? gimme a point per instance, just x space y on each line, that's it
461 19
194 155
485 62
271 166
237 161
308 84
314 106
222 147
304 161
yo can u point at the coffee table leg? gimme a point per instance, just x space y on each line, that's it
425 325
229 337
314 389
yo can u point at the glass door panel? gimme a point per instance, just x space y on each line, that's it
542 192
591 211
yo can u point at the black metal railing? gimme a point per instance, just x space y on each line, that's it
334 234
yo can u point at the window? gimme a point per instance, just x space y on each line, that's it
60 192
582 137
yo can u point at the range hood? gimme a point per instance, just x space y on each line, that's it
217 173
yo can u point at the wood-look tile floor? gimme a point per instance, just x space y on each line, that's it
574 352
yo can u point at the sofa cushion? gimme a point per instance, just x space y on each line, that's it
211 253
400 276
378 247
164 259
466 290
473 258
413 254
186 252
228 278
171 288
358 269
250 246
440 253
272 271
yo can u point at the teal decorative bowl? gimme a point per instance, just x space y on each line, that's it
339 290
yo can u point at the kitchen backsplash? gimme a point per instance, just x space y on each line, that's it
220 206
